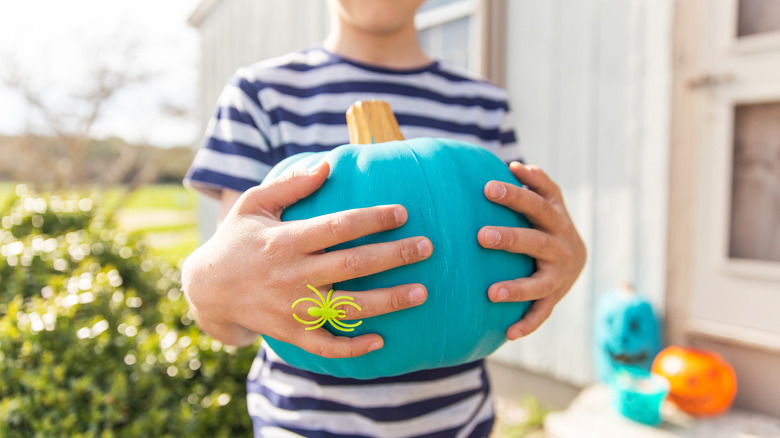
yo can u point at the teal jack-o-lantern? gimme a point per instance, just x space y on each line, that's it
440 183
626 334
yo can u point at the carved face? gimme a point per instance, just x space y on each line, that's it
626 335
700 382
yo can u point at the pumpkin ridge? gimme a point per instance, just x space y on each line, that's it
443 342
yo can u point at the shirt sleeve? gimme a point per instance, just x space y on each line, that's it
236 152
509 148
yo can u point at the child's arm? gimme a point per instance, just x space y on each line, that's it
243 281
554 242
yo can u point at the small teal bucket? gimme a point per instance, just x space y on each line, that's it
639 397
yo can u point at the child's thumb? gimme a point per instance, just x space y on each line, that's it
284 191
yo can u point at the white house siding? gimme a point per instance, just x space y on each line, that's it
239 32
590 86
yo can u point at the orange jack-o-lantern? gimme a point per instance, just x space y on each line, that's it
701 382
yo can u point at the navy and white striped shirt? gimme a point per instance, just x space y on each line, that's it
280 107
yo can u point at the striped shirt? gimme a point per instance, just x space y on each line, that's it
280 107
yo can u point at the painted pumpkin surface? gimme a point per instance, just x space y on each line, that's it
441 185
627 335
701 382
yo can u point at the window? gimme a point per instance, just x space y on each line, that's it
758 16
449 31
755 207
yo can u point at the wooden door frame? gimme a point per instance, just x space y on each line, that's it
492 29
683 172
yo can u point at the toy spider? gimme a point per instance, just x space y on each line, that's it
327 312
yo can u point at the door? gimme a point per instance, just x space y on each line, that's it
725 189
737 275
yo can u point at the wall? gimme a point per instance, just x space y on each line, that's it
239 32
590 86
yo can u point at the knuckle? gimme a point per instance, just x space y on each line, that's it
543 242
407 253
396 303
274 243
514 194
547 209
536 206
351 312
353 263
249 198
339 225
253 192
354 350
508 239
538 171
556 189
548 288
326 350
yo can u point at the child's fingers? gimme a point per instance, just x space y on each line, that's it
360 261
322 343
538 313
541 284
332 229
537 180
283 191
380 301
535 243
534 206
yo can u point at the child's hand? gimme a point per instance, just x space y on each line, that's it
243 281
554 242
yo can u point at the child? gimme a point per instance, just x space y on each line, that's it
241 283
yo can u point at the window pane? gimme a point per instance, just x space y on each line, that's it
755 197
758 16
448 42
430 4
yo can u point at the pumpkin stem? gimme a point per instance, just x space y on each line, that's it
372 121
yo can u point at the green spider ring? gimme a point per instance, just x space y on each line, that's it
326 311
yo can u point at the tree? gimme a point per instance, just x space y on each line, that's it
54 148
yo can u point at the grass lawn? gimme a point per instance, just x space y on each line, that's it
164 214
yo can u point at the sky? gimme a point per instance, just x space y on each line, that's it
55 46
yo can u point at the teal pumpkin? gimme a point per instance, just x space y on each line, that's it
627 335
441 184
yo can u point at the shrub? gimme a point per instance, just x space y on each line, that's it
95 338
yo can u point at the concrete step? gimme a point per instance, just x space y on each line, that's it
592 415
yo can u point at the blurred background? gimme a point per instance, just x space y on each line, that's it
660 120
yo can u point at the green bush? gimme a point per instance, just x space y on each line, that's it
95 338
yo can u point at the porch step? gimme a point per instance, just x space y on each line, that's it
592 415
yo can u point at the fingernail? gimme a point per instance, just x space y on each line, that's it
374 346
416 295
502 294
424 247
312 170
400 215
492 237
496 190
